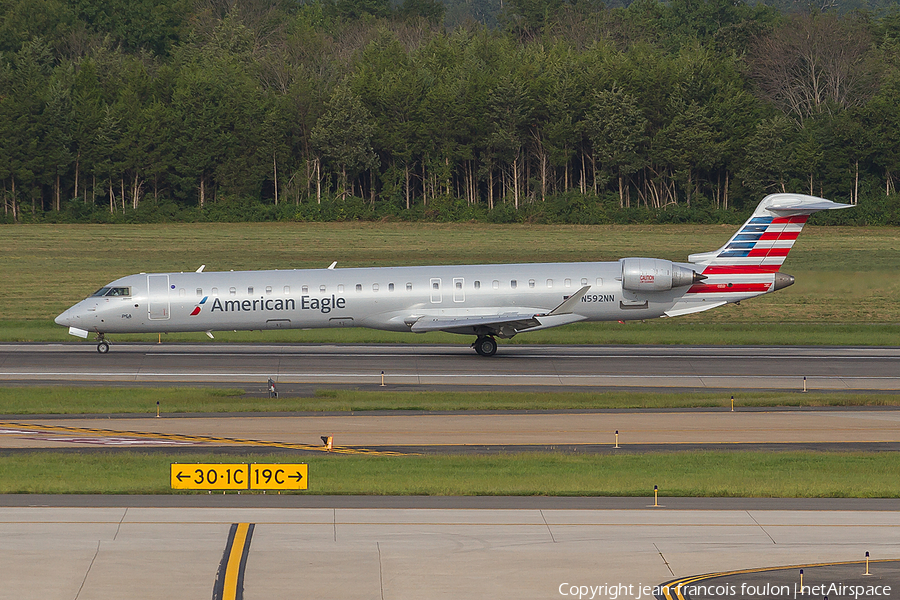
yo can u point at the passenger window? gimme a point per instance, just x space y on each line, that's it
495 284
513 284
341 288
390 287
305 289
250 291
199 291
531 283
215 291
181 292
321 288
584 281
358 287
374 287
459 285
268 289
435 285
599 282
477 285
232 291
408 287
568 283
549 283
287 290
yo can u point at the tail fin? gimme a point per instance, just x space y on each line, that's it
765 240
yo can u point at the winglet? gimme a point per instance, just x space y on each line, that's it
568 305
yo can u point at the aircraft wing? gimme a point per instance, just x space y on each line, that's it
516 321
505 324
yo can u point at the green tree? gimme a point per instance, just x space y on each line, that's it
343 136
617 130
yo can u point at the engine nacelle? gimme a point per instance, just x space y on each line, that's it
655 275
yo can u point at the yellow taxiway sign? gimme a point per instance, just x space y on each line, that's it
239 477
279 477
210 477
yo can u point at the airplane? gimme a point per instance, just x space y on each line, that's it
488 301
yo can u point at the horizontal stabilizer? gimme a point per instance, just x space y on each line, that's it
688 308
807 207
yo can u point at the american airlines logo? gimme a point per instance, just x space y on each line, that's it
197 308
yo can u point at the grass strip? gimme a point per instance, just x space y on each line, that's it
141 400
845 275
692 474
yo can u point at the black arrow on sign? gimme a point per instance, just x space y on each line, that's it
180 475
296 476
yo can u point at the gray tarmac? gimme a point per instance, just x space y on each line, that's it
448 367
112 547
117 549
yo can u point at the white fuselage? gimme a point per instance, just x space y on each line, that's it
390 298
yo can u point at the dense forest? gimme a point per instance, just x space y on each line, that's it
530 110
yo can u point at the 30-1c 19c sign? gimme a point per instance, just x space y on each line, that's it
239 477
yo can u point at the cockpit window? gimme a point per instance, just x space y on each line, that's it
111 292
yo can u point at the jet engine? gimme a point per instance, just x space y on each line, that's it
655 275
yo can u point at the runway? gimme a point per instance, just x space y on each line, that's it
458 367
129 549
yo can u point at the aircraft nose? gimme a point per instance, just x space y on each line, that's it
65 319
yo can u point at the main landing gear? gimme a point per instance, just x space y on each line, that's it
485 346
102 344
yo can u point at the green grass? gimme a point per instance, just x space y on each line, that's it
846 291
695 474
136 400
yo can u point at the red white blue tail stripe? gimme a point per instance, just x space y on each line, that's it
745 266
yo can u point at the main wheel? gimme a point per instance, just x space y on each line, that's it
486 346
103 347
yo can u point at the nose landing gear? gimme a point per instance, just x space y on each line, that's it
485 346
102 344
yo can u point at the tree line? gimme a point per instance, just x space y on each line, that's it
567 111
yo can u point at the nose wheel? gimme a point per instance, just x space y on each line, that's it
102 344
485 346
